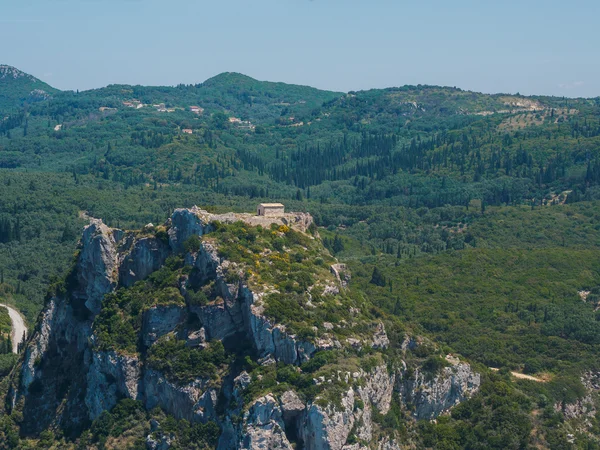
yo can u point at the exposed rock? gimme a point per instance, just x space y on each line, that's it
263 426
269 338
111 376
434 395
62 353
195 402
409 343
342 274
97 267
379 387
216 320
54 357
196 338
184 224
38 346
242 380
583 408
388 444
331 289
327 342
147 256
356 343
159 321
356 446
380 339
326 427
291 405
161 442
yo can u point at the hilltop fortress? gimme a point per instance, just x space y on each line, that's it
267 213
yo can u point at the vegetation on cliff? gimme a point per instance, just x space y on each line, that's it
120 320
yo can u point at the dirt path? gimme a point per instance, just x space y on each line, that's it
522 376
18 327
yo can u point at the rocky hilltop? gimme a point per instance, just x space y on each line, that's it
17 88
244 323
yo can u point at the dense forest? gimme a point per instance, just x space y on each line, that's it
473 219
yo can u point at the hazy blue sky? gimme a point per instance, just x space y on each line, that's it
527 46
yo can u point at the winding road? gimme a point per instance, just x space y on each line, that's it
18 327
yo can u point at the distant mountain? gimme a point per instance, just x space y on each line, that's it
287 93
17 87
261 100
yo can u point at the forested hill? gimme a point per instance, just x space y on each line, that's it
17 88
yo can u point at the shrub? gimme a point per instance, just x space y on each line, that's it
434 364
192 244
196 298
183 364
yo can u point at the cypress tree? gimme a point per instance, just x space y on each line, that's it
377 277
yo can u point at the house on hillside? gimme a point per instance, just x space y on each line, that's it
196 109
187 131
270 209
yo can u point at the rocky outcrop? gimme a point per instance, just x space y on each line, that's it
38 346
264 427
388 444
380 339
54 359
271 339
146 256
97 267
186 223
583 409
242 309
111 376
66 380
291 406
195 402
159 321
328 427
341 273
432 395
379 387
217 321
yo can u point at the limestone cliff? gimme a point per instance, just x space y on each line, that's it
71 371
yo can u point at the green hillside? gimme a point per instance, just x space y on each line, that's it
17 88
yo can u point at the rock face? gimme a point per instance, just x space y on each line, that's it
380 339
184 224
67 380
264 428
98 265
147 256
271 339
195 402
242 310
434 394
160 320
583 409
111 376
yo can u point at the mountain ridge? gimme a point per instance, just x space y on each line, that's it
242 79
18 87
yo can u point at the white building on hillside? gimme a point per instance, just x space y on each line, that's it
270 209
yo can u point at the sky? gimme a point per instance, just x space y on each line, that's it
528 46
